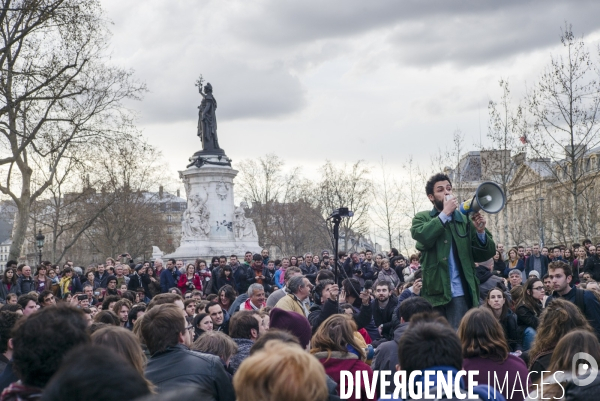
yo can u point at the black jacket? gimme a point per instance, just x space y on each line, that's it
310 272
592 266
25 285
178 367
511 332
527 318
103 280
244 276
136 281
384 317
319 313
591 306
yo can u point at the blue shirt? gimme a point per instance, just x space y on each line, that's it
455 282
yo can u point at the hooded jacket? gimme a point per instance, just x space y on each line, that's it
337 362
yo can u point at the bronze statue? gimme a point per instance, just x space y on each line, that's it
207 120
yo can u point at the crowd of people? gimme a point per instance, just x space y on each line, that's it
287 328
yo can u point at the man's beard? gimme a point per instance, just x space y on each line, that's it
439 205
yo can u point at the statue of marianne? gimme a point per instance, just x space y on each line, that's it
207 119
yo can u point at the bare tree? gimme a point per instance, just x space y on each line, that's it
346 186
386 206
59 96
565 106
450 157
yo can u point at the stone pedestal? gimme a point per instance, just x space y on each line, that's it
212 225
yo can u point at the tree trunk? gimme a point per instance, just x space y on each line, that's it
575 211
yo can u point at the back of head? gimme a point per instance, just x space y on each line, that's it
215 343
43 339
280 371
273 334
336 333
482 336
558 318
242 323
571 344
160 327
412 306
162 299
292 322
123 342
108 317
95 373
8 320
436 342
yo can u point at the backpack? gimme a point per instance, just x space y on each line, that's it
579 300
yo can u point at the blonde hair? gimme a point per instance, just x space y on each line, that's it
280 371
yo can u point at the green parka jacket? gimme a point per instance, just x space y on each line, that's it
434 240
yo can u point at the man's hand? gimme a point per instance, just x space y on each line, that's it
74 301
479 222
417 286
342 297
334 291
365 295
450 205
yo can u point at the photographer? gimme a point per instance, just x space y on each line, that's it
355 268
189 281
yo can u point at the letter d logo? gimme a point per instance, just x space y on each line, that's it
593 368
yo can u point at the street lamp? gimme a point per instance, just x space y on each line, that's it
541 199
39 240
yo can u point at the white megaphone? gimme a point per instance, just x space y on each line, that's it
489 197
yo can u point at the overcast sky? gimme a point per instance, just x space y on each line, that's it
334 79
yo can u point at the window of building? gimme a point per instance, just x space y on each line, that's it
170 229
169 219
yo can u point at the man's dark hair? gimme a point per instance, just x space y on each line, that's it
324 275
433 179
43 295
90 373
210 305
25 298
559 264
585 242
412 306
222 257
173 261
133 312
321 286
385 283
257 257
12 308
352 287
130 295
437 343
7 322
108 317
241 323
161 299
11 263
108 300
160 327
43 339
545 276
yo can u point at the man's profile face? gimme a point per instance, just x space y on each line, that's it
169 265
258 298
560 282
440 190
29 308
88 291
216 314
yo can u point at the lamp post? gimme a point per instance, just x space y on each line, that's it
39 240
541 199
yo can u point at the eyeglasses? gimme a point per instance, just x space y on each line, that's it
189 328
538 288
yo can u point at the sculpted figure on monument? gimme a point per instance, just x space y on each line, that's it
207 119
243 227
195 219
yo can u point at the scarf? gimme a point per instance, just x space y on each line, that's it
65 284
282 276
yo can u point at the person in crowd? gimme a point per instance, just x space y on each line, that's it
8 285
92 280
109 302
25 282
244 329
448 259
568 256
101 274
40 343
172 364
121 309
226 296
257 270
410 270
559 381
386 354
168 298
219 317
96 374
202 323
29 303
189 281
269 277
153 284
136 312
299 289
41 281
264 376
70 283
514 262
388 274
383 308
529 309
7 323
217 344
169 277
412 288
327 293
357 269
244 275
499 265
488 280
592 263
484 349
138 278
46 299
579 262
279 278
562 275
558 318
497 303
256 298
515 279
335 346
360 301
226 278
292 271
108 317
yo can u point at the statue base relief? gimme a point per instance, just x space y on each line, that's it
212 225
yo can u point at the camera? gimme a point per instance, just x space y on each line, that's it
357 270
82 297
342 212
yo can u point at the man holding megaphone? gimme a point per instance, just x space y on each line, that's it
450 244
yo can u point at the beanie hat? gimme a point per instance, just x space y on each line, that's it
138 267
293 323
534 273
111 278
